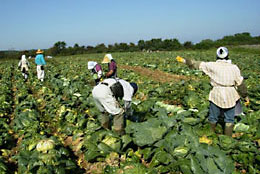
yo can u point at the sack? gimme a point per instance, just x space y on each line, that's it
42 68
238 108
117 90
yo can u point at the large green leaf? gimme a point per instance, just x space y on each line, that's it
212 167
195 167
148 132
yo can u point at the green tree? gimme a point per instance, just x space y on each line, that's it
2 54
132 47
141 45
123 47
188 45
205 44
101 48
171 44
58 48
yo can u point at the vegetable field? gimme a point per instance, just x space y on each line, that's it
52 127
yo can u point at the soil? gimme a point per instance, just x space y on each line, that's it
156 75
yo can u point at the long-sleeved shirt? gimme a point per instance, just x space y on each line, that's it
39 60
225 77
98 70
112 66
23 63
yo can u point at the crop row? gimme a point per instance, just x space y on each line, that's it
52 127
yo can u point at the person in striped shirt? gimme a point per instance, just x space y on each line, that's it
227 83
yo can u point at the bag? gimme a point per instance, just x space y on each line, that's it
42 68
238 108
117 90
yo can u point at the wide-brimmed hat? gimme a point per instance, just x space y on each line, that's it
91 64
39 51
222 52
107 58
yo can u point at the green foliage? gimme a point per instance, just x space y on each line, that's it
163 136
156 44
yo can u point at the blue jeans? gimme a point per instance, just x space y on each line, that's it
215 111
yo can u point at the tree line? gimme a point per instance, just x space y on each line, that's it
60 48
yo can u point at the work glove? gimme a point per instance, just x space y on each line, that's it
180 59
247 101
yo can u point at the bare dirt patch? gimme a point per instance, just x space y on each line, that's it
156 75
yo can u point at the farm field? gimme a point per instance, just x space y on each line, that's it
52 126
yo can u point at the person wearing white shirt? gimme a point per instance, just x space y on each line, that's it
106 96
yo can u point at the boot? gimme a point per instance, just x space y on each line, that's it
105 125
104 120
119 123
213 126
119 132
229 129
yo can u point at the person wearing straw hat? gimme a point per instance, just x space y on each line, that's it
112 67
24 65
227 85
96 70
40 62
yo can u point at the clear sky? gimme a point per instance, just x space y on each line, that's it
32 24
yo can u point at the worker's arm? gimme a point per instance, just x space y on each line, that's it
19 64
242 90
128 109
99 73
109 73
191 63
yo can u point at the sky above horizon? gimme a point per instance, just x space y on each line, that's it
33 24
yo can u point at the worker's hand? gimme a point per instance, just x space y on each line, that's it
180 59
247 101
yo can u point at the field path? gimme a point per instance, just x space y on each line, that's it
156 75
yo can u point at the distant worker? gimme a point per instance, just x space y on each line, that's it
96 70
112 67
24 65
227 85
40 62
106 96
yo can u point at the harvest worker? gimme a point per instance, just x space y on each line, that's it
227 85
106 96
96 70
112 67
24 64
40 62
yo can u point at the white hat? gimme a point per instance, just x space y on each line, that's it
91 64
222 52
107 58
